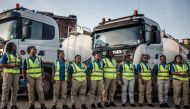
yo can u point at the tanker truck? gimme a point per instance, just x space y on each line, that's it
135 34
25 27
78 42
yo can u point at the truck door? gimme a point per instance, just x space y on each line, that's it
154 44
42 37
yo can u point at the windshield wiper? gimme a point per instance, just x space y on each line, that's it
123 45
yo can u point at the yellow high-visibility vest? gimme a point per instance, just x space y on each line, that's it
34 69
128 71
57 70
145 72
97 72
109 68
12 59
181 69
188 63
79 73
163 72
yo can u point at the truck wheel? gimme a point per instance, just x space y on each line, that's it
1 83
47 86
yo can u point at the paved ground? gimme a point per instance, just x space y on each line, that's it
22 104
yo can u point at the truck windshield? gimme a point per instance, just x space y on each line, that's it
8 30
119 37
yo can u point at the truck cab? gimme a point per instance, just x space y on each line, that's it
135 34
25 28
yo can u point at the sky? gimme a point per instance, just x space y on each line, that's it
172 15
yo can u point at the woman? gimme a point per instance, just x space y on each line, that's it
11 62
78 72
180 72
59 79
32 72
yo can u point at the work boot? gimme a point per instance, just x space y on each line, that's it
112 104
53 107
73 106
140 105
65 107
99 105
162 105
5 107
93 106
106 104
186 107
43 106
123 105
166 105
132 105
150 105
32 106
14 107
83 106
177 106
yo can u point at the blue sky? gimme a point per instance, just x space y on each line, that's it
172 15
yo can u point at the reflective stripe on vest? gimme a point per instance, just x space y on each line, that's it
128 71
79 73
163 72
13 60
180 69
145 73
57 70
109 68
34 68
97 73
188 63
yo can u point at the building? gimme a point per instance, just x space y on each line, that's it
186 41
63 22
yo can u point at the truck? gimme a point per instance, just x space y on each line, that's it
25 27
135 34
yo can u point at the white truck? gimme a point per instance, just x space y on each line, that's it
25 28
134 34
138 35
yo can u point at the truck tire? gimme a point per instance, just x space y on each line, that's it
47 86
1 83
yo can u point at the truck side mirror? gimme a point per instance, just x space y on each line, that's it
153 28
97 36
26 32
60 45
154 37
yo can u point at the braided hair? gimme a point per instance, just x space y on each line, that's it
9 47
